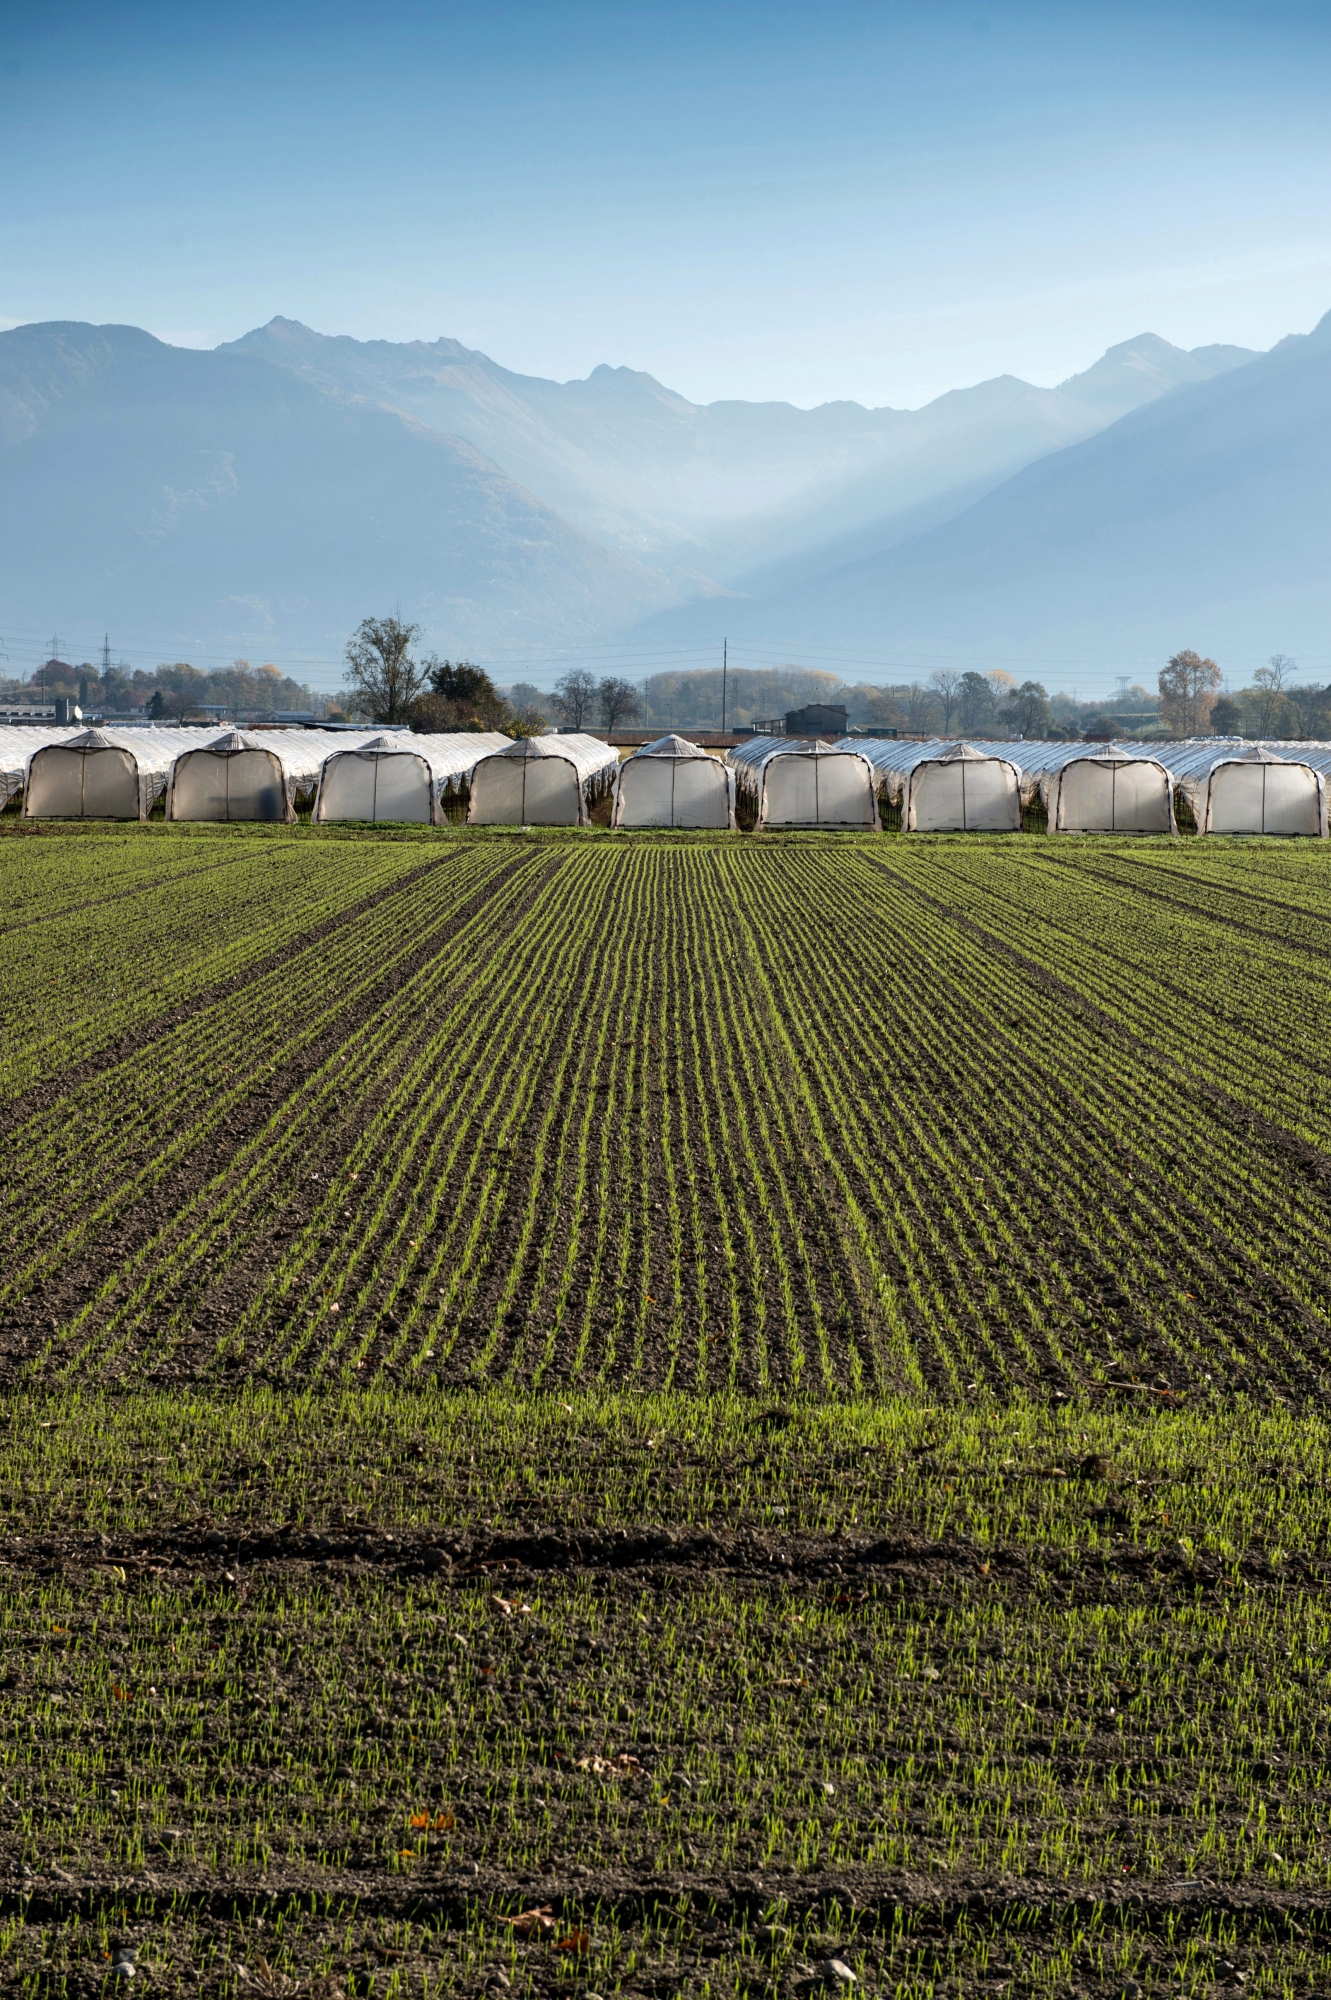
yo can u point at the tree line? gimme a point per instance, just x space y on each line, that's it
387 682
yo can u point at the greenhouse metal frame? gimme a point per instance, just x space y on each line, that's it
1250 788
246 775
1097 787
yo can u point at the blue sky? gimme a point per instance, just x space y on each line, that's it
795 201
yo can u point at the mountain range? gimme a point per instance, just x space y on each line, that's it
269 493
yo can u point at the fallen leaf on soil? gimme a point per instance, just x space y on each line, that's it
575 1941
532 1923
622 1766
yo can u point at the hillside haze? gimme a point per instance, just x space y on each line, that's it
267 494
711 484
1199 519
218 501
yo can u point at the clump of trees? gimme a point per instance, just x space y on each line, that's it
386 682
1191 703
1189 686
582 702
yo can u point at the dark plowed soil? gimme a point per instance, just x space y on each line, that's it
652 1557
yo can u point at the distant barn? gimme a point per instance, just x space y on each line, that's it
817 718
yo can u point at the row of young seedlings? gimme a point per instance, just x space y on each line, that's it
149 1111
522 1200
769 1731
259 1041
115 957
1051 1127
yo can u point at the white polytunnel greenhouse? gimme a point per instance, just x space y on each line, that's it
104 773
1238 787
541 781
1097 788
403 777
948 787
673 782
246 774
803 782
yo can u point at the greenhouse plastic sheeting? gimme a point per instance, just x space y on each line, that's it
17 744
105 773
404 777
673 782
1249 789
947 787
541 781
806 783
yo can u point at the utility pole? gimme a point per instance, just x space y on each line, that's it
725 648
106 657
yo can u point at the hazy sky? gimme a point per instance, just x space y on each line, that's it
788 200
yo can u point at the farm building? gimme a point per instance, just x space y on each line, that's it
817 718
103 773
1248 789
946 787
541 781
401 777
247 775
1100 789
673 783
806 783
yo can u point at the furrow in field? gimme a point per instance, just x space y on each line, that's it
341 1285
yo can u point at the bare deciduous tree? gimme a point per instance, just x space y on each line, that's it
381 674
946 682
618 699
921 707
575 692
1272 680
1187 692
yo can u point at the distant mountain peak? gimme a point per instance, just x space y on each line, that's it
1136 371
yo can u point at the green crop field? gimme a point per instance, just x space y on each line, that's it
742 1402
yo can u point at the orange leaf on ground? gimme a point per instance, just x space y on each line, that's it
575 1941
